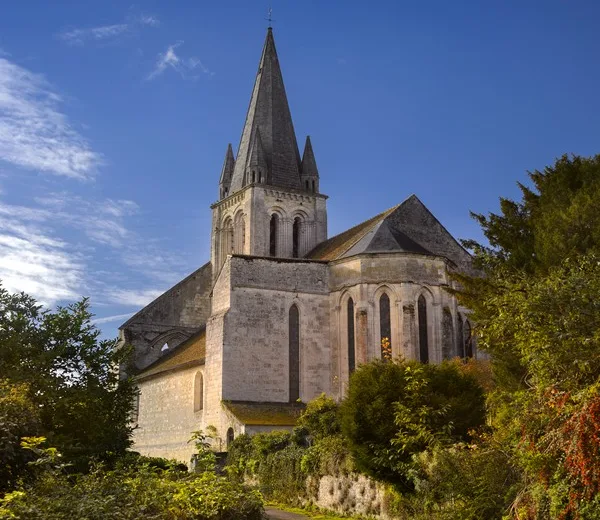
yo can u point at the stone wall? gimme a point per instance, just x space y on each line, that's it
166 416
404 278
256 340
352 494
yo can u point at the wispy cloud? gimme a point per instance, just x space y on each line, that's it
37 263
111 319
105 33
138 298
34 133
33 259
183 66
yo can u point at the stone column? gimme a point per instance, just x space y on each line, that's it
361 334
284 239
409 337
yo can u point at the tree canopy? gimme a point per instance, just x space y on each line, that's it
56 361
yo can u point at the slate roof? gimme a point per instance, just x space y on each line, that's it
189 353
265 414
408 228
269 113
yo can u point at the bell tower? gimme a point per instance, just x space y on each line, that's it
269 200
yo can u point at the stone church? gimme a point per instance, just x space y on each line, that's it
281 312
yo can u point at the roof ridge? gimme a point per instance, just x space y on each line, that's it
369 224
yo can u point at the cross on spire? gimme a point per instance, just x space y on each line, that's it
270 16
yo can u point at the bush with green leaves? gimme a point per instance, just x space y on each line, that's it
130 494
394 410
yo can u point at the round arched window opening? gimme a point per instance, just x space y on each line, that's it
230 436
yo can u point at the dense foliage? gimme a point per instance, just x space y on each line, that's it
130 494
537 312
394 410
57 363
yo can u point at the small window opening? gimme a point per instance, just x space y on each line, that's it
351 353
296 237
313 186
273 225
165 347
423 339
253 177
230 436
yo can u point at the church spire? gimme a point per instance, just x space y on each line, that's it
227 172
308 169
269 114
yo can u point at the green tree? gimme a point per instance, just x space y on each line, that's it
394 410
19 418
71 376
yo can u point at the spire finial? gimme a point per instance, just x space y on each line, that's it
270 17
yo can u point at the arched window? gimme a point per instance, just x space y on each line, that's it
296 237
253 176
198 392
306 183
260 179
447 334
468 340
460 343
227 240
351 352
239 234
273 229
423 340
313 186
294 353
230 436
385 327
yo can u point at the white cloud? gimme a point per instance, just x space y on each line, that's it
145 19
135 297
105 33
110 319
79 36
183 66
34 133
37 263
34 260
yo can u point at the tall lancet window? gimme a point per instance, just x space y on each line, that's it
460 344
385 327
296 237
468 340
351 352
239 234
294 353
423 339
226 239
273 229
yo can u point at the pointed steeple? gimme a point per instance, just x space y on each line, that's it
308 171
227 172
269 114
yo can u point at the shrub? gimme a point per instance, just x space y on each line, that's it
129 495
319 419
395 410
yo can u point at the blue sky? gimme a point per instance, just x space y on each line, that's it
115 117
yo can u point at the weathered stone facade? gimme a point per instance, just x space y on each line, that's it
281 313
